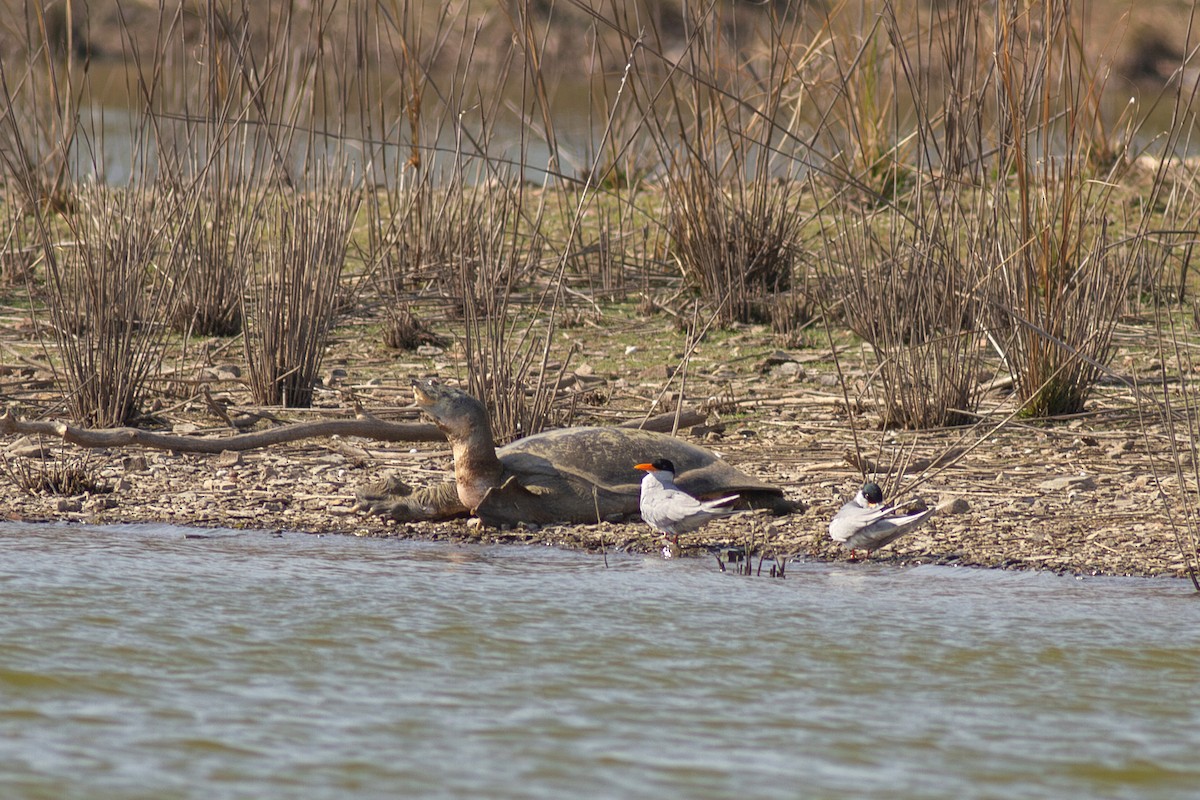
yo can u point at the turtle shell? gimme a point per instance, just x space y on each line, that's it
587 474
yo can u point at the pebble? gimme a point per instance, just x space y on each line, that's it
1072 483
135 464
958 505
100 503
790 371
229 458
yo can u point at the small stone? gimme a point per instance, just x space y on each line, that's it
776 359
229 458
135 464
1120 448
1071 483
1142 482
791 371
100 503
223 372
69 505
958 505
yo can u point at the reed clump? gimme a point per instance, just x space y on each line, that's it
736 257
727 135
507 336
109 299
292 299
1059 285
62 474
220 242
910 298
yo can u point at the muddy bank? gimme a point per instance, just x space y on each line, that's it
1074 497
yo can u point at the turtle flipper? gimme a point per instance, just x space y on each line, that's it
514 502
394 500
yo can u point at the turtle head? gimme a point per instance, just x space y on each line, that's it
455 412
657 465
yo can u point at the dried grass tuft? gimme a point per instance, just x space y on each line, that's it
405 331
911 298
63 474
109 299
293 294
1059 286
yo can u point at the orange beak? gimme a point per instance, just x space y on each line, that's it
644 467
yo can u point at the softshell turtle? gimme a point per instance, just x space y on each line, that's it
581 475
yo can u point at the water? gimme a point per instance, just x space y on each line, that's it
138 663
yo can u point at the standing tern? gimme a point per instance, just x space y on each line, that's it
671 511
865 523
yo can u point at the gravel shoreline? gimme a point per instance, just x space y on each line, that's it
1064 498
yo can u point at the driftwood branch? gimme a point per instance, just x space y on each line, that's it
365 427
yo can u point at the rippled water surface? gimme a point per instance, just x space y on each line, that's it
140 662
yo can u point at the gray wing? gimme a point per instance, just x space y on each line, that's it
889 529
853 518
676 511
883 530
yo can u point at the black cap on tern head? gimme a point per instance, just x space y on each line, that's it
872 492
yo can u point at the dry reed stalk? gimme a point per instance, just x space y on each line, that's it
865 124
1177 410
63 473
109 299
293 294
209 147
737 257
912 302
211 269
902 237
506 342
18 249
461 223
733 207
419 233
1058 286
40 98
